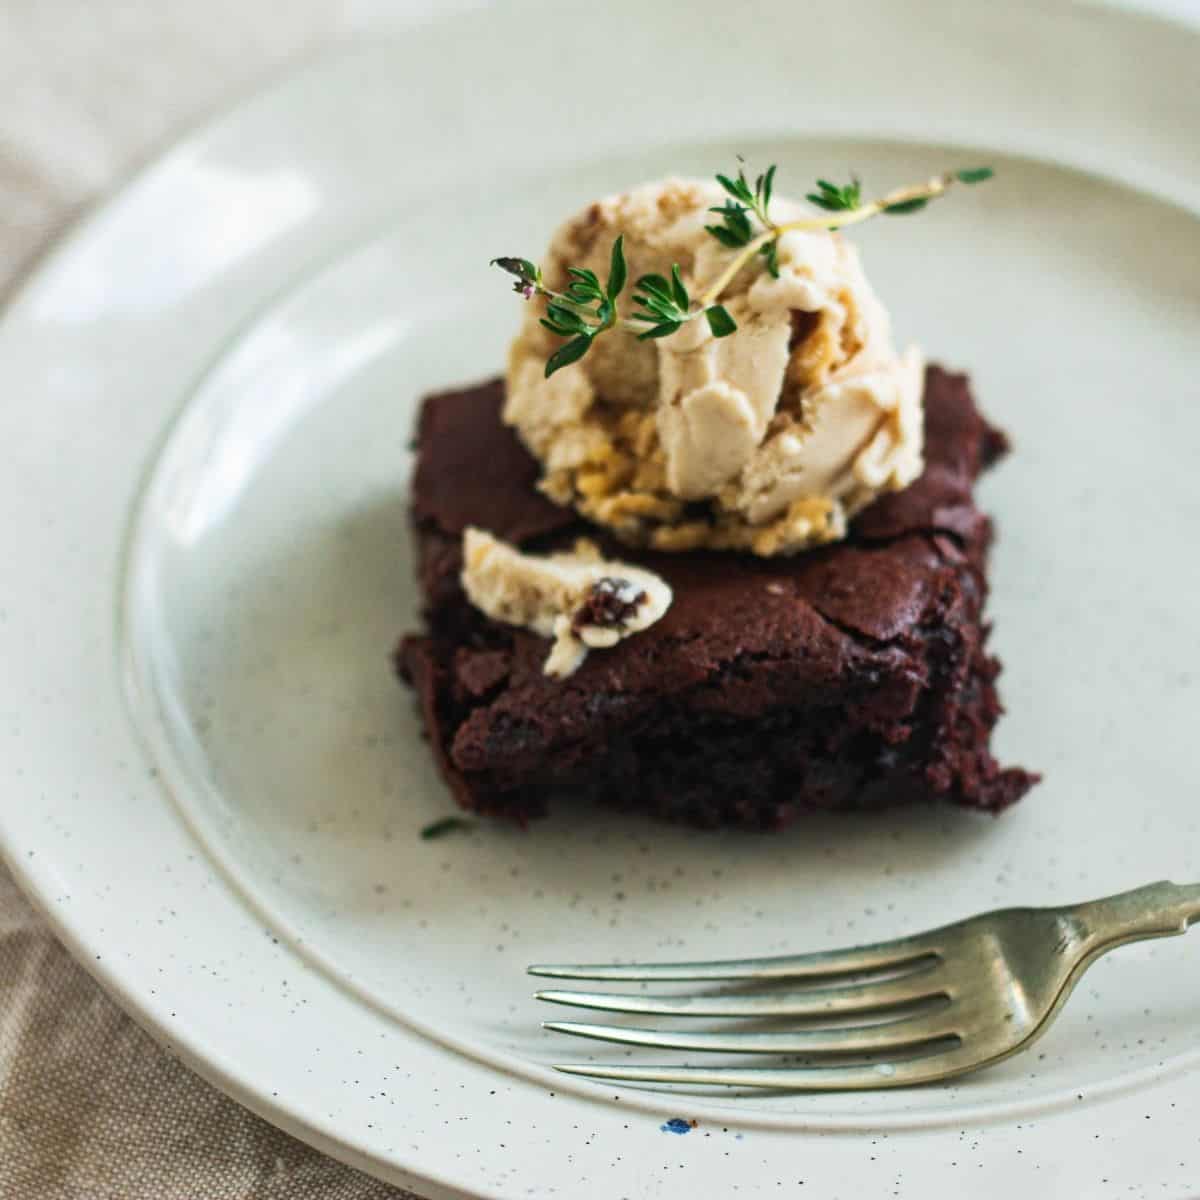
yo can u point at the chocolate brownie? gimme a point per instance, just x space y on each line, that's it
850 677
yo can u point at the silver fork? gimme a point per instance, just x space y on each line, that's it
920 1009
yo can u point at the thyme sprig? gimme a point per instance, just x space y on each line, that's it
662 305
585 309
735 229
439 829
844 206
667 304
832 198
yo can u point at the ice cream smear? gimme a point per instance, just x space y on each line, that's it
577 597
767 440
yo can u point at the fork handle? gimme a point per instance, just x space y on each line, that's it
1155 910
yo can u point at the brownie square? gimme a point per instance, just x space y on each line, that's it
849 677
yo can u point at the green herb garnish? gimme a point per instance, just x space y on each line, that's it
662 306
444 826
832 198
736 230
667 306
586 310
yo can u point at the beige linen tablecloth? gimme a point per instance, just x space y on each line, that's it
90 1107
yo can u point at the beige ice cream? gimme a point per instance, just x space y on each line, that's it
578 598
766 440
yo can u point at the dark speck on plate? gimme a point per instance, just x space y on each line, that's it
678 1125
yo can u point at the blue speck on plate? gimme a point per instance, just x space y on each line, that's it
676 1125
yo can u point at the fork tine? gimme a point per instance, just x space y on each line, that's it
869 1039
903 1073
815 1002
899 953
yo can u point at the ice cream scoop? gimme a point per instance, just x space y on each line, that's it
766 440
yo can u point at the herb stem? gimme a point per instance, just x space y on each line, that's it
587 309
558 298
743 256
582 310
925 191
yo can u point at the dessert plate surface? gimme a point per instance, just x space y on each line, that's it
215 787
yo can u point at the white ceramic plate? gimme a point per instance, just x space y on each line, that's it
214 786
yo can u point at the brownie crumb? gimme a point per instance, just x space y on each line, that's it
610 602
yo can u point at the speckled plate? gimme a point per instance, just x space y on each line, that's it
213 784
